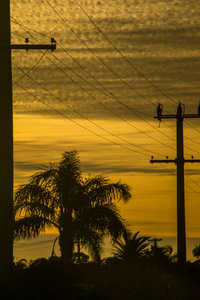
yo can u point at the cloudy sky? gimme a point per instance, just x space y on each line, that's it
98 93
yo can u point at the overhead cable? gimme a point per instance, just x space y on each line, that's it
125 58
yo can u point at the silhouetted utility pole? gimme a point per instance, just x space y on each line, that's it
155 241
6 140
6 146
179 161
154 249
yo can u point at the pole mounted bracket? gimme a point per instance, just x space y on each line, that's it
28 46
179 161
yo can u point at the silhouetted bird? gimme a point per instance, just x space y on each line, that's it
179 110
159 111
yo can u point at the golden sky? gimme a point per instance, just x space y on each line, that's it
97 93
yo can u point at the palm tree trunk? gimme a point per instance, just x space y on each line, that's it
66 248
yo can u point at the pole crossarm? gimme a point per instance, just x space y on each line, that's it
162 161
27 47
179 161
152 161
178 117
192 160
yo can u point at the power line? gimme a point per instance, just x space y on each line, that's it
81 115
122 104
192 140
117 51
26 73
92 95
192 127
90 120
106 38
17 34
125 58
193 180
23 26
106 65
117 114
185 175
114 112
114 98
85 128
110 94
192 188
101 102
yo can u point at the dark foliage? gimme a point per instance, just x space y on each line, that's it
113 280
196 251
83 210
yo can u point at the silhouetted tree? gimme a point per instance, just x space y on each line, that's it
82 209
131 248
161 255
80 257
196 251
21 264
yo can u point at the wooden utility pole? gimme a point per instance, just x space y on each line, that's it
154 249
155 242
6 146
179 161
6 142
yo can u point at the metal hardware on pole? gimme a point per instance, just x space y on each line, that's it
6 133
179 161
6 148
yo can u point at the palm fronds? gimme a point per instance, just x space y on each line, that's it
132 248
58 196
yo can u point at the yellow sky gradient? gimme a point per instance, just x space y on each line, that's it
160 41
152 210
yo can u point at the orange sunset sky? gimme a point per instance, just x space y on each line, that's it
98 93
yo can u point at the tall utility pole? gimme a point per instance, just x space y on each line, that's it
6 142
155 246
179 161
155 242
6 146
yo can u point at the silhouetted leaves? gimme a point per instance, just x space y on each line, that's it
82 209
132 248
196 251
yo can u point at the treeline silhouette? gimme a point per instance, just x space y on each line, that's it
136 270
84 211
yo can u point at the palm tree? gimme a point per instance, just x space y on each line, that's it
131 248
82 209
